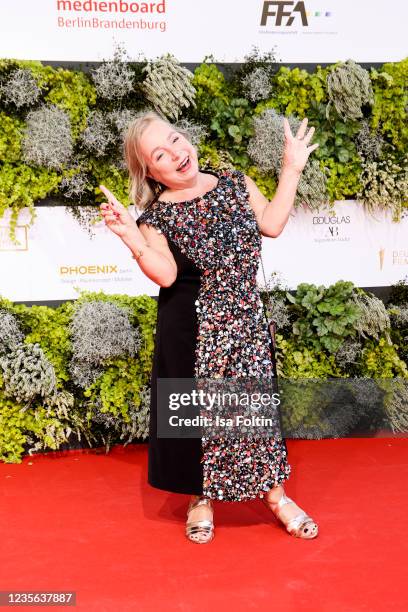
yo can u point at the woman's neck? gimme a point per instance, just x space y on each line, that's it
205 182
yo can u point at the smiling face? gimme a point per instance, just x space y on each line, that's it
170 158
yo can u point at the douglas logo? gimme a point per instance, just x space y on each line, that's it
277 9
330 220
329 228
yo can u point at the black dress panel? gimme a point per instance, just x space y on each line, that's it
175 464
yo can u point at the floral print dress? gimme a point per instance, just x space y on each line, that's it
219 233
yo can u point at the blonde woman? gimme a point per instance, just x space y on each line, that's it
199 238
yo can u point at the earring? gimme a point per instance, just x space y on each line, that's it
157 188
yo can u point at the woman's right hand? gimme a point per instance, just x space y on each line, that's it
116 216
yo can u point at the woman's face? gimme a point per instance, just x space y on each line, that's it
170 158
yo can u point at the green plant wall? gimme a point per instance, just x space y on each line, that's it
61 135
336 333
360 118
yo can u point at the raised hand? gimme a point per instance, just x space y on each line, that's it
296 150
116 216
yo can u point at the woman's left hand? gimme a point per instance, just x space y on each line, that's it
296 150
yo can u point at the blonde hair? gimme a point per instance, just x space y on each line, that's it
142 189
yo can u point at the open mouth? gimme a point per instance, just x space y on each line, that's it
185 165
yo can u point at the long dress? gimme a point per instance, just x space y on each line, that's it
211 324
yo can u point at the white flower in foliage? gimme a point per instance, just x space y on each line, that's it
10 335
100 331
266 149
113 79
98 135
48 140
20 88
168 86
257 85
27 373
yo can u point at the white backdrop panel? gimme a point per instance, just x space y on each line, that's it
320 31
346 244
56 255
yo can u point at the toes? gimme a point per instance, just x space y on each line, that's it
310 531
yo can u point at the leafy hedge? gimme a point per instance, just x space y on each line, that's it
61 134
66 374
39 411
61 131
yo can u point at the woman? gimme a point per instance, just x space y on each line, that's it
199 237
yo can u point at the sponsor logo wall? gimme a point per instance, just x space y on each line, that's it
55 256
343 244
302 31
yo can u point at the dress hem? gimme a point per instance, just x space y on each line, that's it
260 494
174 489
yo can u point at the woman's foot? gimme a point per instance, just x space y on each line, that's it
201 512
200 525
296 521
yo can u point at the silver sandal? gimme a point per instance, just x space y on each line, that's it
200 532
301 526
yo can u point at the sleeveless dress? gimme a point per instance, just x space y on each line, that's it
211 324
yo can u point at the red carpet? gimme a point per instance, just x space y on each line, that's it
89 522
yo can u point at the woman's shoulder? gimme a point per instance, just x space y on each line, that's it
237 177
149 214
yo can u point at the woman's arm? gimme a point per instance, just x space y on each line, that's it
149 247
272 216
156 261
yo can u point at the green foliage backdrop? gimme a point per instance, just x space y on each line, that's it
61 135
49 397
61 131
